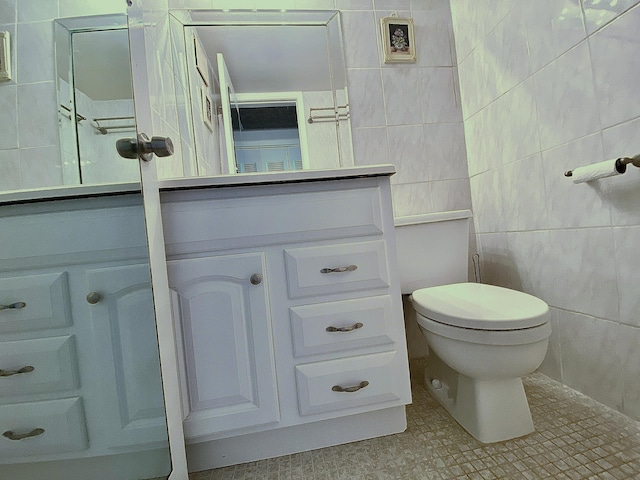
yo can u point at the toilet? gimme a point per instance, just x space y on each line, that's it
482 338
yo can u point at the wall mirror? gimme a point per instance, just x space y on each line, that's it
81 388
267 90
95 101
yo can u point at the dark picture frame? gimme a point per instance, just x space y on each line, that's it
398 40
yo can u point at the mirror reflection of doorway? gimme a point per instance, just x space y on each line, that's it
266 137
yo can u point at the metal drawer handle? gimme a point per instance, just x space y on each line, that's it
355 388
350 268
20 436
353 327
13 306
9 373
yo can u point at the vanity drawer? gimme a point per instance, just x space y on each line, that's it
338 326
329 269
39 428
348 382
38 365
34 302
210 224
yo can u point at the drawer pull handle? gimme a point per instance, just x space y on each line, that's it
255 279
13 306
350 268
355 388
353 327
9 373
20 436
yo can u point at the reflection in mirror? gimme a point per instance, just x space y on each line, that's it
286 63
95 99
81 389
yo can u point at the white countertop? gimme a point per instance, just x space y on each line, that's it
247 179
217 181
68 191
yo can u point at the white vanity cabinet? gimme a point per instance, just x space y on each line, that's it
315 353
78 349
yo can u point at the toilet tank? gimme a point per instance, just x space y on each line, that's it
433 249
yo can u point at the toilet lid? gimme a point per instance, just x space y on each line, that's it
479 306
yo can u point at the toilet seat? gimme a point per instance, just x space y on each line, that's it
480 307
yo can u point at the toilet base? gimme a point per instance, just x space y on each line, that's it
490 410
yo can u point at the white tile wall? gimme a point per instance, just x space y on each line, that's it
548 86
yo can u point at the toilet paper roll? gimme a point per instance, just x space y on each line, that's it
608 168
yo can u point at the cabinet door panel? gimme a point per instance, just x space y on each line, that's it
132 388
227 342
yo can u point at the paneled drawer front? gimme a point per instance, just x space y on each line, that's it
222 223
338 326
347 383
38 365
339 268
38 428
34 302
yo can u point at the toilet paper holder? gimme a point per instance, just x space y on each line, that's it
620 164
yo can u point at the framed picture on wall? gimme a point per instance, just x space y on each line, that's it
207 107
398 40
202 63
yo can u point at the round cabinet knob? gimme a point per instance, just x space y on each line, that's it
93 297
255 279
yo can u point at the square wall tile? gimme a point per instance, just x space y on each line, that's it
450 195
400 85
591 357
553 27
37 115
361 39
35 52
10 167
581 268
37 10
566 100
552 363
523 195
366 100
407 153
616 66
9 109
627 258
487 204
370 146
630 352
573 205
598 13
444 149
411 199
439 98
623 192
530 254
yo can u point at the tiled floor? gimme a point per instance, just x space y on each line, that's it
576 438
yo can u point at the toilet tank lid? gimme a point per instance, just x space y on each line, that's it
432 217
480 306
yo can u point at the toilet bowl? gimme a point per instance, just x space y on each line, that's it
482 338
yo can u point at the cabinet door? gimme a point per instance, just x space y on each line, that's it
226 327
121 310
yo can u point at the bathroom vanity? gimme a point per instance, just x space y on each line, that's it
287 303
80 373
